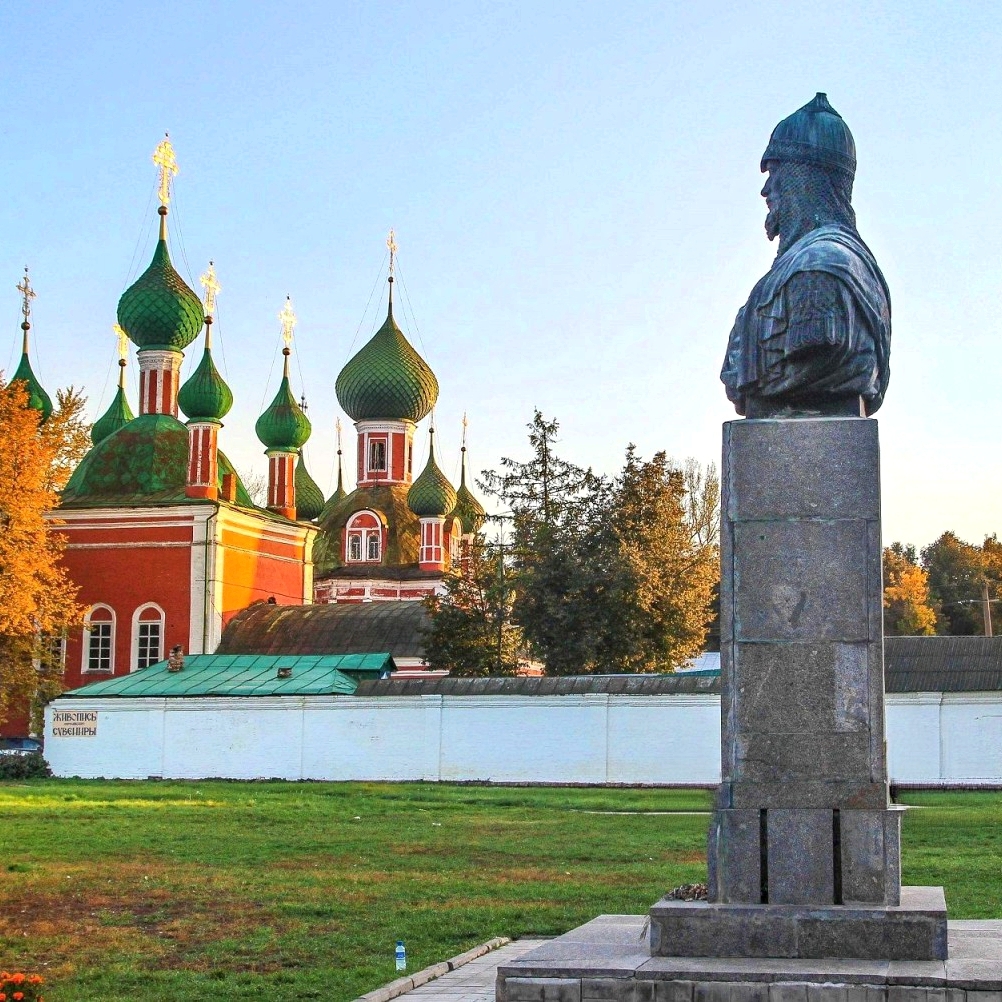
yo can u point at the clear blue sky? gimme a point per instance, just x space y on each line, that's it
575 190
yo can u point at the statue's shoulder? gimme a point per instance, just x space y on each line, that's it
836 251
827 248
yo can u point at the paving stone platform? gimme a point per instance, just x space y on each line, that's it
608 960
473 982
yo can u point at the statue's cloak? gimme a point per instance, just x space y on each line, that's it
832 250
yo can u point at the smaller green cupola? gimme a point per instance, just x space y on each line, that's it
117 415
283 426
38 399
309 497
468 509
205 395
431 495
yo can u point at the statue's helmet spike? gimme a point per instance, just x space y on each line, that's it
814 134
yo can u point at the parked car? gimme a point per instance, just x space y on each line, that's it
19 746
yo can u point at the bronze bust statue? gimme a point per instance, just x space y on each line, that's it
815 335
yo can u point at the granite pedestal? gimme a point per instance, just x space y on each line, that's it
804 850
805 895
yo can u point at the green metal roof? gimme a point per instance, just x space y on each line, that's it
159 310
387 379
468 510
205 395
144 461
245 675
37 397
309 497
118 415
283 425
431 495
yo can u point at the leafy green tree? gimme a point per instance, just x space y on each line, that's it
663 563
609 575
471 631
908 607
956 572
67 435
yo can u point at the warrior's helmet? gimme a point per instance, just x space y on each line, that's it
816 135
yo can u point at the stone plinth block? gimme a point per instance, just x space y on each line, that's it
802 736
913 930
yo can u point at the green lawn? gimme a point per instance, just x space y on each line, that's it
160 890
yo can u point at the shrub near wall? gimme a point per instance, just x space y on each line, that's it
30 766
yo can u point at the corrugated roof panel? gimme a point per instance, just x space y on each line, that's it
245 675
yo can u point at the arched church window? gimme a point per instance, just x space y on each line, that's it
147 635
364 538
99 640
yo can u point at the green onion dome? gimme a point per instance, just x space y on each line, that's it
387 379
431 495
205 395
309 497
468 509
116 416
38 399
283 425
158 310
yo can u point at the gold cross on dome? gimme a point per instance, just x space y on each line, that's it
163 157
27 295
289 320
123 340
391 243
212 288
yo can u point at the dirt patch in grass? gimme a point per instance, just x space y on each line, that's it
70 916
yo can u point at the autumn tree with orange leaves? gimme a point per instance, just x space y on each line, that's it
37 599
909 609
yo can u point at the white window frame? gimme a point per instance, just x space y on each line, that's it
137 623
85 667
354 537
365 536
374 444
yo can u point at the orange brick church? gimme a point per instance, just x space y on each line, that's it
164 540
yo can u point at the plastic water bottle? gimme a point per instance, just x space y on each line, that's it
401 955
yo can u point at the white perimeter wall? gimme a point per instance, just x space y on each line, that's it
589 738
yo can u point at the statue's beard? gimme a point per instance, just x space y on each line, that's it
804 198
772 223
